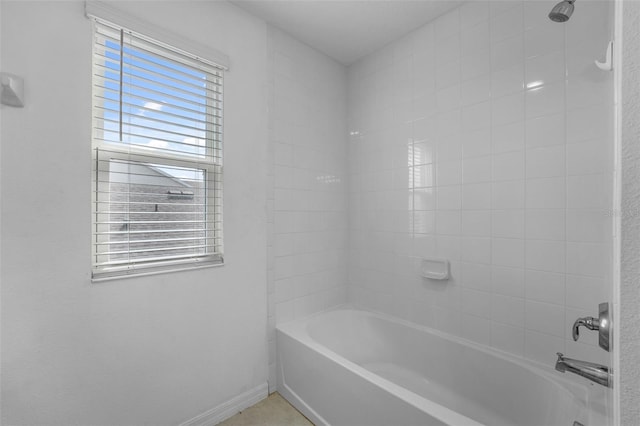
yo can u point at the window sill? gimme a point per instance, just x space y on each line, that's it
99 277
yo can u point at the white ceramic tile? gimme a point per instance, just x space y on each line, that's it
508 310
507 80
545 224
507 24
423 176
545 100
424 221
284 290
498 7
402 178
507 252
448 98
475 91
423 39
544 69
423 130
448 197
476 303
508 109
590 25
588 192
507 338
591 88
588 226
447 25
508 281
424 87
589 259
585 292
476 196
447 74
476 65
448 49
547 193
476 117
508 166
594 156
508 138
476 250
476 276
545 286
473 13
449 147
507 195
541 39
448 222
545 255
476 143
284 312
425 199
580 56
283 244
448 247
508 223
507 53
447 123
546 162
475 38
476 223
476 170
545 131
589 123
283 154
449 173
545 318
424 245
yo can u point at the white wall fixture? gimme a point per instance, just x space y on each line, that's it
435 269
12 90
607 65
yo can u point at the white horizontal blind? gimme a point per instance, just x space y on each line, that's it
157 144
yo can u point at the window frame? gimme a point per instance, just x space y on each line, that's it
210 163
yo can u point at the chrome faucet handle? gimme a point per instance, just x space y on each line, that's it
602 324
589 322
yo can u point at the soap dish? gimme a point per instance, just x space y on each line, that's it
435 269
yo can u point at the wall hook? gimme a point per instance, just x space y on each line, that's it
607 65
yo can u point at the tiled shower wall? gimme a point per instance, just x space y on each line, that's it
307 201
485 138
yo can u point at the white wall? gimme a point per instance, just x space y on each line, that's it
629 332
155 350
485 138
307 234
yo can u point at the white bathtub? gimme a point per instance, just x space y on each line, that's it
349 367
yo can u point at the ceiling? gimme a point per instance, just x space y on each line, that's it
347 30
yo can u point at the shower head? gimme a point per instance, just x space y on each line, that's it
562 11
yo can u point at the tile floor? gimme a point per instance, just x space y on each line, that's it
272 411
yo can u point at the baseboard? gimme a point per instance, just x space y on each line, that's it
227 409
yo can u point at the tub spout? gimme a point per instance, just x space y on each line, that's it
594 372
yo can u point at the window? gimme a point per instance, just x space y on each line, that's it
157 155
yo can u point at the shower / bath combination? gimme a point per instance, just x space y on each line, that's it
562 11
